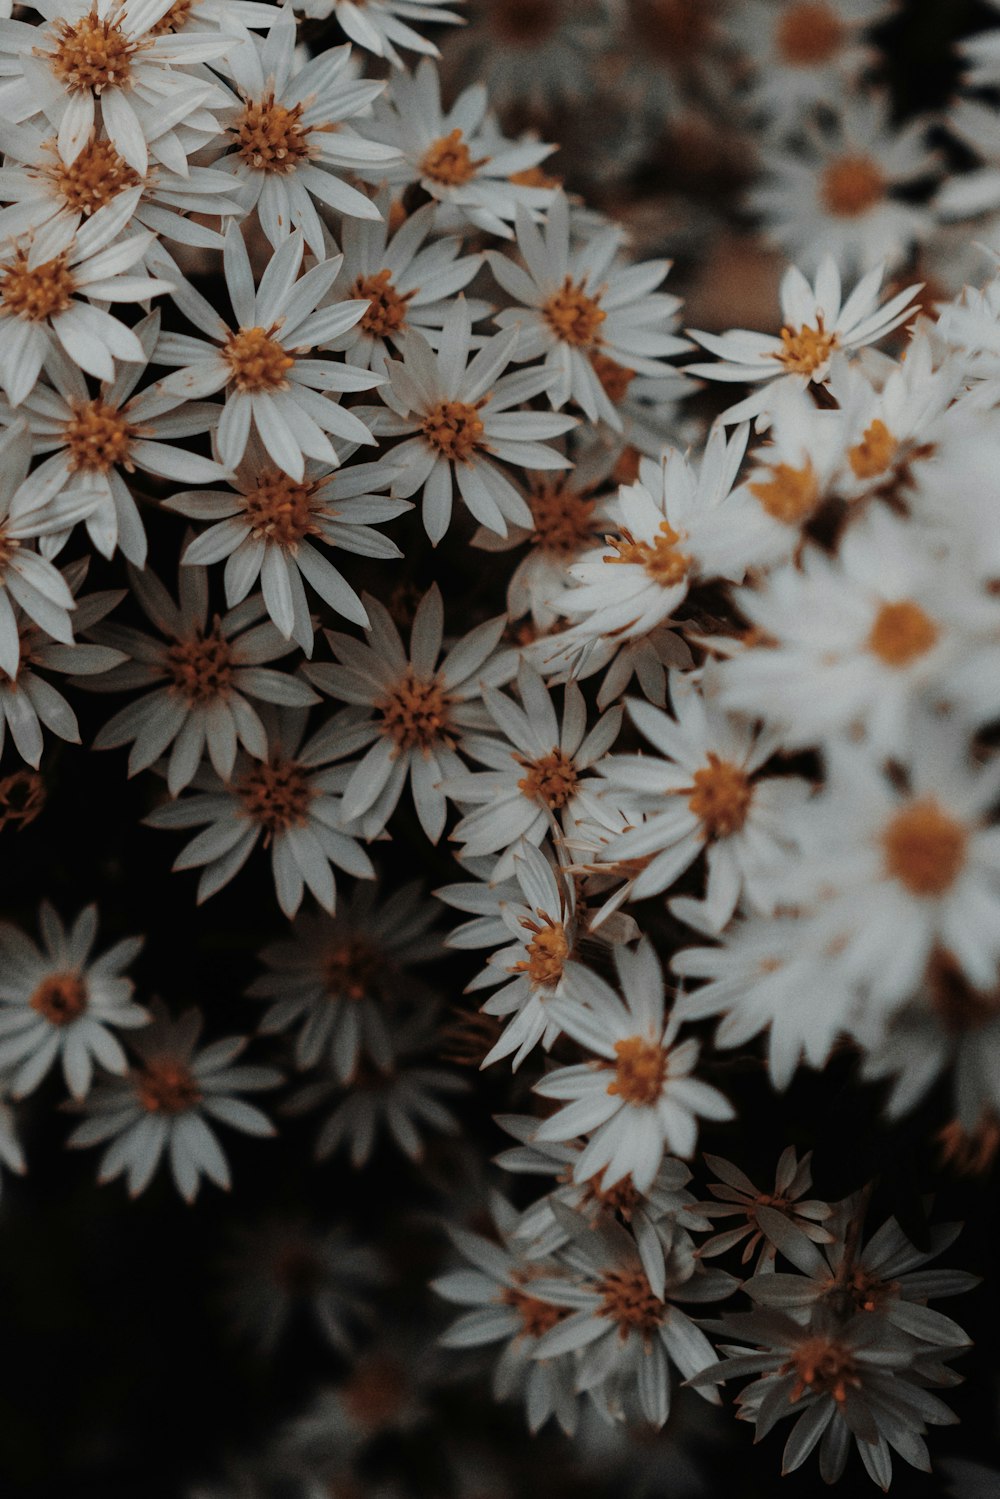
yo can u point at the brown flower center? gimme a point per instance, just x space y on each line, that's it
547 949
924 848
91 54
804 350
902 633
640 1071
661 558
615 378
873 454
573 316
37 292
852 185
275 794
720 797
563 519
790 495
201 667
822 1367
537 1317
270 137
552 779
449 162
60 998
454 429
164 1086
524 23
96 176
809 34
386 306
352 969
98 437
22 797
175 19
628 1299
621 1198
281 510
417 714
257 360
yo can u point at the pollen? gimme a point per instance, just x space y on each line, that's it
416 714
640 1071
96 176
573 316
448 161
790 495
386 306
97 437
822 1366
60 998
275 794
454 429
92 54
547 949
622 1198
924 848
271 137
35 292
615 378
563 520
524 23
165 1086
351 969
808 35
805 350
661 557
851 186
175 19
902 633
552 780
537 1317
874 453
201 668
257 360
629 1300
721 797
281 510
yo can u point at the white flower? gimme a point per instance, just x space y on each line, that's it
639 1100
382 26
575 306
411 713
164 1104
262 364
267 527
774 1220
58 1003
460 412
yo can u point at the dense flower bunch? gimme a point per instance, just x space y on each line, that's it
422 522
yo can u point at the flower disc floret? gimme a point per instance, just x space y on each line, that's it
805 350
628 1300
552 779
901 633
548 949
822 1366
35 293
201 668
573 315
98 437
563 519
97 175
790 495
60 998
270 137
387 307
851 185
808 34
721 797
661 557
281 510
164 1086
92 54
640 1071
449 161
924 848
276 794
258 362
415 714
454 429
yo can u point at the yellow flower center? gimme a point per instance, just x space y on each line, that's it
902 633
924 848
91 54
275 794
720 797
640 1071
804 350
873 454
270 137
60 999
281 510
164 1086
454 429
416 714
628 1300
449 162
809 34
851 186
96 176
37 292
660 557
386 306
573 316
790 495
257 360
201 668
552 779
563 520
548 949
97 437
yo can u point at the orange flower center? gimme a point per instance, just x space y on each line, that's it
269 137
275 794
97 437
924 848
60 999
524 23
281 510
22 797
547 948
790 495
386 306
417 714
721 797
91 54
552 779
640 1071
804 350
449 162
37 292
257 360
902 633
822 1367
175 19
851 186
96 176
628 1299
615 378
164 1086
572 315
563 520
808 35
201 668
873 454
621 1198
537 1317
454 429
352 969
660 557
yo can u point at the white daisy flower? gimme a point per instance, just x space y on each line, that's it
289 140
49 282
533 56
104 60
289 800
575 306
11 1152
460 414
411 713
639 1100
165 1102
982 54
205 674
382 26
336 979
263 365
816 321
58 1003
776 1220
268 524
457 155
536 783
